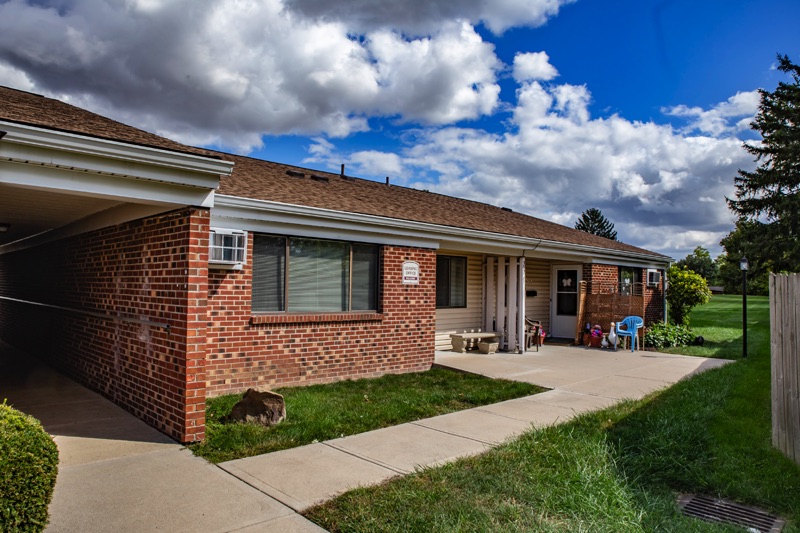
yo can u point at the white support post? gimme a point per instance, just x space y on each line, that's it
488 294
500 301
513 339
521 301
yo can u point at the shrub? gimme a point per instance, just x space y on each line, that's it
28 468
660 335
686 290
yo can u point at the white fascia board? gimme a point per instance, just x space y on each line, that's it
40 146
252 215
84 183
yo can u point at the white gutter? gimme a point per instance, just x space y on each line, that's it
235 207
41 146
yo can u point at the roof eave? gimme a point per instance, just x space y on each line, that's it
234 207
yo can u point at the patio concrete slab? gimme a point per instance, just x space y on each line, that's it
305 476
478 424
406 447
535 414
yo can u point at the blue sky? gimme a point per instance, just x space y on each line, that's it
544 106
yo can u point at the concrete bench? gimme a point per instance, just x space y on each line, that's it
462 341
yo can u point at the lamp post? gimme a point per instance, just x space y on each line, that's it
743 266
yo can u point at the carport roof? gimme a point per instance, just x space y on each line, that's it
35 110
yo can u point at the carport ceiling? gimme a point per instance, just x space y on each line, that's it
29 212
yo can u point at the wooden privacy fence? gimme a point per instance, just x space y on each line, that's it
784 310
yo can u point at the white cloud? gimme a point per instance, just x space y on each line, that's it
12 77
533 66
719 120
374 163
435 80
651 181
227 72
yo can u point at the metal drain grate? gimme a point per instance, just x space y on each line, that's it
714 510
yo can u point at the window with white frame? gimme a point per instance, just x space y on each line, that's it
298 275
227 247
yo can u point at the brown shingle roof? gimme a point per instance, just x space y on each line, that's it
35 110
264 180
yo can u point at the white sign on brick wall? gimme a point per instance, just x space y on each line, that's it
410 273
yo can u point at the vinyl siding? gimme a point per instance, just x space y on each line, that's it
537 278
469 318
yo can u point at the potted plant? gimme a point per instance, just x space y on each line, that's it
596 336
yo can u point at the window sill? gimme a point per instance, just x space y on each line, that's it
316 318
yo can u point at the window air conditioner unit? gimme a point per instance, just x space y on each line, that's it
653 278
227 248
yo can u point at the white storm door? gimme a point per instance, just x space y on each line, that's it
564 305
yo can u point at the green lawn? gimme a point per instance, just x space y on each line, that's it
323 412
615 470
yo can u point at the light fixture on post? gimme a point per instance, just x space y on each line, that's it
744 265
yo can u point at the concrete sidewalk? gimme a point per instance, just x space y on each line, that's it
581 379
118 474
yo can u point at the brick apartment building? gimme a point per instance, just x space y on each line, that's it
160 274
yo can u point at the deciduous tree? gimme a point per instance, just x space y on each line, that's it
686 290
700 261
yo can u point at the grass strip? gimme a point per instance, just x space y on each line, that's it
614 470
324 412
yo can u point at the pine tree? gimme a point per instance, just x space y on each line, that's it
592 221
771 193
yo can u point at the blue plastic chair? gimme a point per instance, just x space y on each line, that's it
632 325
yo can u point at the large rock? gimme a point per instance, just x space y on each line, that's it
265 408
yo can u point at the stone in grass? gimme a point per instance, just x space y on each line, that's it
265 408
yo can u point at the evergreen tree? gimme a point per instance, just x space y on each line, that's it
745 241
769 196
592 221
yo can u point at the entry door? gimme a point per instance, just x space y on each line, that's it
564 306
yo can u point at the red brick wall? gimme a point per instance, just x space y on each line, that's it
265 351
654 302
150 269
604 304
